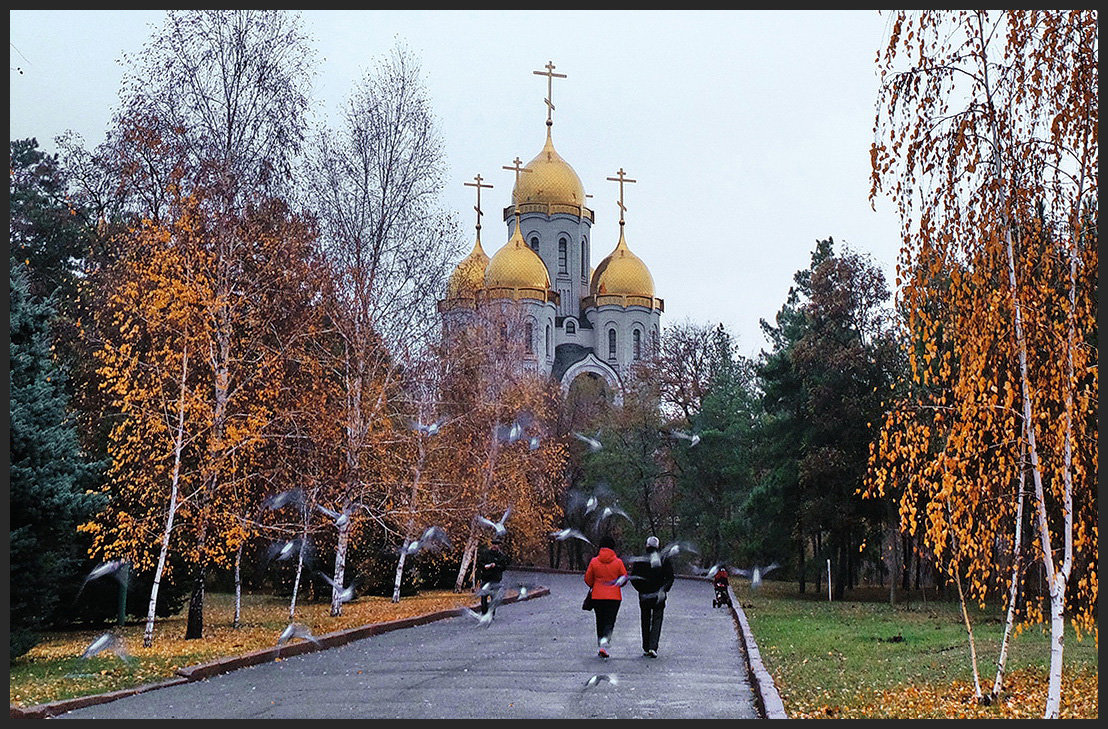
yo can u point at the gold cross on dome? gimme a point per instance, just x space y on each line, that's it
478 185
518 168
550 76
621 179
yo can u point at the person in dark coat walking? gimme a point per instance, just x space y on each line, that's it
602 576
652 576
491 563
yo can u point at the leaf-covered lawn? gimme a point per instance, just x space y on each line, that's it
54 669
863 658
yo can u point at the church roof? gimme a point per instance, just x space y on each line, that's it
622 273
551 180
516 266
469 274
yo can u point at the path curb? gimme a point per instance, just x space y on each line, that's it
202 671
764 688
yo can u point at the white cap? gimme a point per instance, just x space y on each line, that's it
652 541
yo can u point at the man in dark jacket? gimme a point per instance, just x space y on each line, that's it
652 577
491 563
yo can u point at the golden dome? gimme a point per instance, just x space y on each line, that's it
469 274
622 273
516 266
551 180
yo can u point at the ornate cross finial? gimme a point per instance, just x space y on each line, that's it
517 168
621 179
550 76
478 185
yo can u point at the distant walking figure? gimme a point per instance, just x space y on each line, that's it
603 576
490 569
652 579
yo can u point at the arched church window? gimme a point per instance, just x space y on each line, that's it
636 344
529 334
548 341
535 243
584 260
563 244
571 328
611 344
654 341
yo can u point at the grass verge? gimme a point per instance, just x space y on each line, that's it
54 669
864 658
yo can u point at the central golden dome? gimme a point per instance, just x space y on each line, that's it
516 266
550 181
622 273
469 274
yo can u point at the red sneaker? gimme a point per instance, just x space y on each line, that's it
602 653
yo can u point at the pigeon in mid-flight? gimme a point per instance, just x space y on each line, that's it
115 568
432 538
346 594
600 678
341 518
756 573
497 526
296 630
107 642
593 444
427 428
569 533
278 501
692 438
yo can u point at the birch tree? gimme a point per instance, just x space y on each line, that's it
985 139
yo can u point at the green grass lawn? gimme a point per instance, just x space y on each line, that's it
863 657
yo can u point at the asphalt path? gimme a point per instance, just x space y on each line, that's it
533 661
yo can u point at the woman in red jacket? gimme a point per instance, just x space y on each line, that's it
601 575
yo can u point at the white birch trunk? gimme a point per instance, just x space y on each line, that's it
340 569
236 623
408 532
1013 589
296 580
969 632
178 446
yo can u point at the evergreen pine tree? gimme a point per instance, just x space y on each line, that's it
47 472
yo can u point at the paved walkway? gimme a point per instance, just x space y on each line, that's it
531 662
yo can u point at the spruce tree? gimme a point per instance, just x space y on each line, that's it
48 475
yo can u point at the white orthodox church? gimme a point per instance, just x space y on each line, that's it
578 320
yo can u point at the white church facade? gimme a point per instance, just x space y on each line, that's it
578 320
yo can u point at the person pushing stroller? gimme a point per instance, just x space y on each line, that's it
721 582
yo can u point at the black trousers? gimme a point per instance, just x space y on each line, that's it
605 617
651 611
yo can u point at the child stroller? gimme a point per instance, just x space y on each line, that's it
722 596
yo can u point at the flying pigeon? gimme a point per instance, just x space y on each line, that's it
346 594
593 444
498 526
427 428
107 642
281 551
756 573
296 630
624 579
341 518
600 678
608 511
693 438
484 620
292 496
569 532
113 568
431 538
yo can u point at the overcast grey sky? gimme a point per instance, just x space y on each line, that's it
748 132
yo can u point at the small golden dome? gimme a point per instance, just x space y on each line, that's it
622 273
469 274
550 181
516 266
